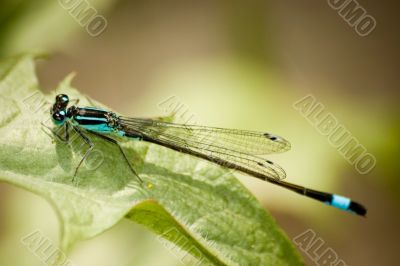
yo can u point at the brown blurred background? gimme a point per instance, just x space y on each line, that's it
238 64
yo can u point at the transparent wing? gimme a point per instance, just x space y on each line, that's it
244 141
228 147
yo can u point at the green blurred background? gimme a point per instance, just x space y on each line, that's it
237 64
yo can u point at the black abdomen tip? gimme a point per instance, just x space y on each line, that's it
357 208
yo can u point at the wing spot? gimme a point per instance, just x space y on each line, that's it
270 136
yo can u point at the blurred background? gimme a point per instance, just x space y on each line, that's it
236 64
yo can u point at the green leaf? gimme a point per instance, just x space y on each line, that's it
197 206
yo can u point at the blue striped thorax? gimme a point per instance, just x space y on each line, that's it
94 119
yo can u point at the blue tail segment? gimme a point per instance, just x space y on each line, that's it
347 204
340 202
334 200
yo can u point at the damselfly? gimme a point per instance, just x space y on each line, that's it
231 148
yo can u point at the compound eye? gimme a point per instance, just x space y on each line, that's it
62 99
59 117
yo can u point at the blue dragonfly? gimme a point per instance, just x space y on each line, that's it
230 148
